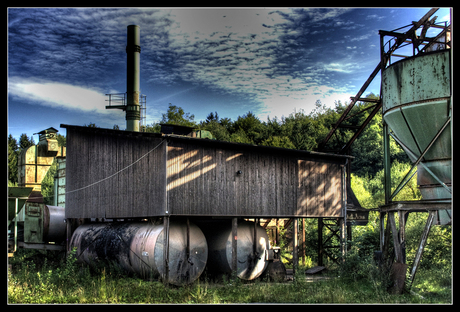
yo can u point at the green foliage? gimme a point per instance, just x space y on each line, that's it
48 184
370 191
12 160
277 141
176 116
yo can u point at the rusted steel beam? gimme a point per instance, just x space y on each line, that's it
363 126
350 106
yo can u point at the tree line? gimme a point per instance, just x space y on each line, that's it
299 130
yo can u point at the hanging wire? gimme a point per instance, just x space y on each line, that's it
110 176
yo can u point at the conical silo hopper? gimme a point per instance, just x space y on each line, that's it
416 95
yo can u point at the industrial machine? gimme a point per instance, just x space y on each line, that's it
31 223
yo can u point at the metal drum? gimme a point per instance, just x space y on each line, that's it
251 257
138 248
54 226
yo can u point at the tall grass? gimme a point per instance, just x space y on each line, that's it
66 281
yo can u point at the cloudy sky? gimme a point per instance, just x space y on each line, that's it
271 61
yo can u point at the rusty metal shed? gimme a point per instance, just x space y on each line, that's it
124 174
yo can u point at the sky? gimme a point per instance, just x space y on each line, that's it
271 61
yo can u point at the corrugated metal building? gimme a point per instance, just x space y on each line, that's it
124 174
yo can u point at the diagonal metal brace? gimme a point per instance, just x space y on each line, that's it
405 180
423 165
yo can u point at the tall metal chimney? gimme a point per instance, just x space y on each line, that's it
133 51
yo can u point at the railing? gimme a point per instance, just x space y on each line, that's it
118 101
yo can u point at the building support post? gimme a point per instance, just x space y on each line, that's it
320 241
234 245
302 248
343 237
166 250
295 246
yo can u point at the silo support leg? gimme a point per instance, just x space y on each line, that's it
423 240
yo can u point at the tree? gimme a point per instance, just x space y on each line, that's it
12 160
212 117
153 128
176 116
251 126
219 131
277 141
61 139
25 141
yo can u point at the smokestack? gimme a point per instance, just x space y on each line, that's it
133 51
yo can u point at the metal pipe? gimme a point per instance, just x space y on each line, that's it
133 51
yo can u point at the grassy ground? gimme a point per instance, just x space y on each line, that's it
44 281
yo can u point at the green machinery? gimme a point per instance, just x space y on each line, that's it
31 223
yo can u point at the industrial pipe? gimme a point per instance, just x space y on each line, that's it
138 248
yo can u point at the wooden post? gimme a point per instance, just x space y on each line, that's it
234 245
320 241
302 250
189 259
295 245
343 237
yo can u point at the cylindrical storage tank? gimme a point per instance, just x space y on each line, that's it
54 226
416 95
251 257
138 247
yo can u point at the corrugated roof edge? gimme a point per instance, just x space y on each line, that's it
224 144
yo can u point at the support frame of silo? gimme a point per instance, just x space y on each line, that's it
403 208
420 44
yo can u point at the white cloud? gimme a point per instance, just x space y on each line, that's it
283 105
55 94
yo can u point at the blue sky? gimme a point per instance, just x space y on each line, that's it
271 61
